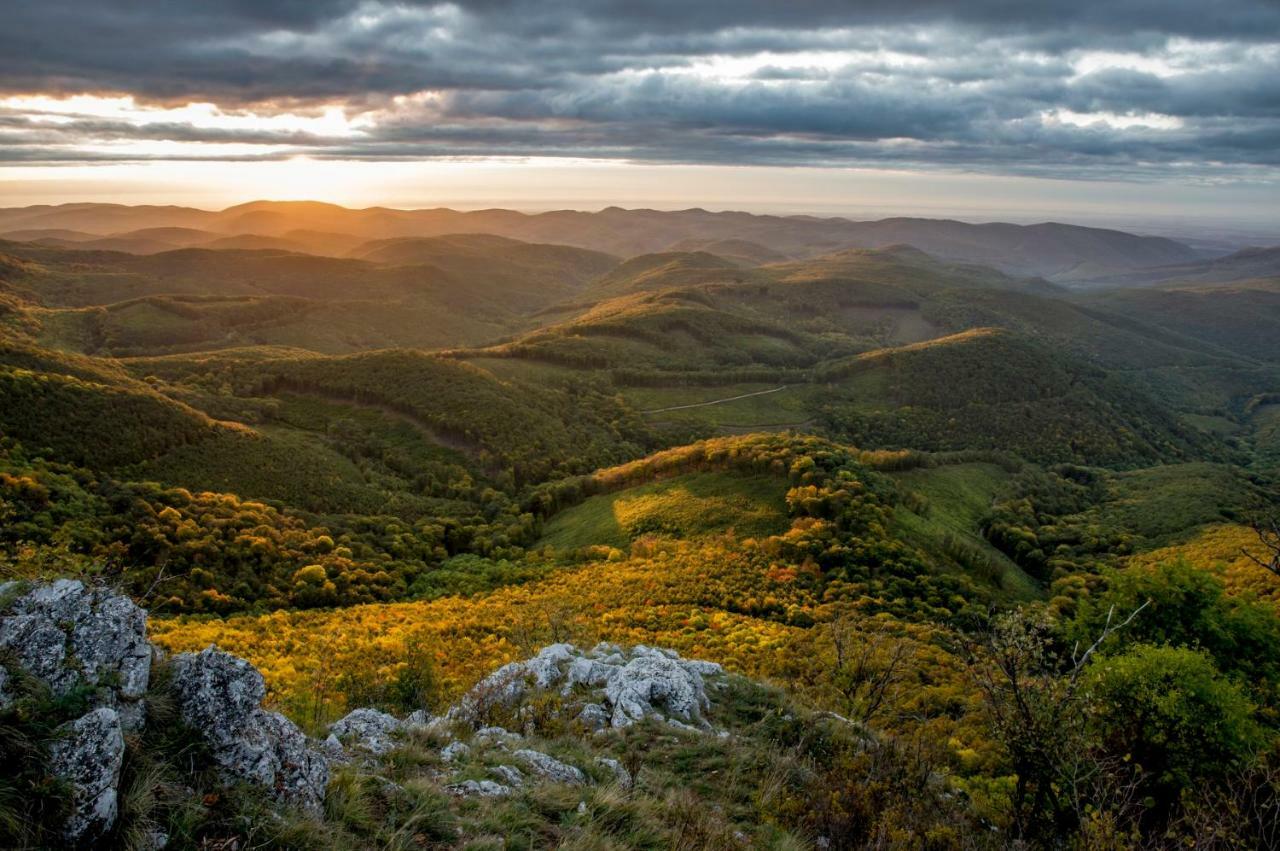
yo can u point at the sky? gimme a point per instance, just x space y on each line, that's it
1167 110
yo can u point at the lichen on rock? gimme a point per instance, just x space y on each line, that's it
221 696
88 754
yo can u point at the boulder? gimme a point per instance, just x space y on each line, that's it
655 684
623 686
479 788
87 754
619 771
509 774
550 768
220 696
594 716
455 751
368 729
68 634
418 718
589 672
497 736
507 685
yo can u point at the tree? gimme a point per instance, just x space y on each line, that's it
1172 713
1268 532
1036 706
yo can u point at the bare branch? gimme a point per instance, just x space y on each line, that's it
1108 630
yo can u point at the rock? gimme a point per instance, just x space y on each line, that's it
67 634
620 774
418 718
331 749
588 672
594 716
88 754
623 686
497 736
6 696
454 751
480 788
507 685
154 840
220 697
545 668
652 680
368 729
550 768
509 775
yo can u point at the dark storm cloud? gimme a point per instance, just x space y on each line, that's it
997 85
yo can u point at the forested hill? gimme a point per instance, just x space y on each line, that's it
1050 249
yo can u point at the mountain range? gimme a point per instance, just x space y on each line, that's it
1052 250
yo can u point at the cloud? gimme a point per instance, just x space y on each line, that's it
1066 89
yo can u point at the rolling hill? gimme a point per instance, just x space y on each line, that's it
1243 265
1048 249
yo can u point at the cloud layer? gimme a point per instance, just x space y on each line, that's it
1126 88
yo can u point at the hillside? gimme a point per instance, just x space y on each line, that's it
1243 265
190 299
1242 317
1048 249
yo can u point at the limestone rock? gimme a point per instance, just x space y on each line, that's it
629 686
455 751
479 788
594 716
509 774
498 736
68 634
550 768
369 729
220 696
331 749
619 771
418 718
507 685
650 682
88 754
623 687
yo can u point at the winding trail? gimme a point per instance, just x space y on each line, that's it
716 401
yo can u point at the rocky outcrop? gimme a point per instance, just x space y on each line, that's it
655 685
87 754
68 634
221 696
621 687
369 730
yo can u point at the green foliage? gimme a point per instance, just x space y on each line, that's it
1187 607
686 506
994 390
1170 711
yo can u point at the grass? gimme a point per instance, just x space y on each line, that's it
943 518
786 407
687 506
